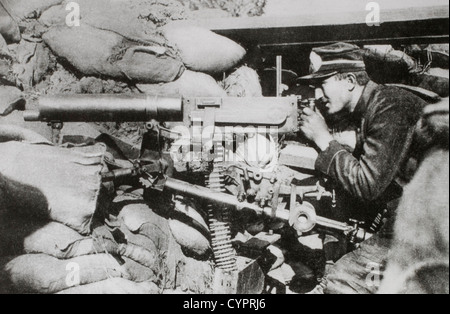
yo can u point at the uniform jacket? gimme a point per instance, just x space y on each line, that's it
385 119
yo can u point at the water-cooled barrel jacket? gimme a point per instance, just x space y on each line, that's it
386 119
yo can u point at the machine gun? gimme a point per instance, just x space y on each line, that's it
230 184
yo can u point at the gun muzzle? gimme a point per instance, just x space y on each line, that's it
106 108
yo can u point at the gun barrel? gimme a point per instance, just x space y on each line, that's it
107 108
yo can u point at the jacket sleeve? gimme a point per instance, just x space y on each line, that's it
388 137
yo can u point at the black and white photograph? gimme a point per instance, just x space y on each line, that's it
224 152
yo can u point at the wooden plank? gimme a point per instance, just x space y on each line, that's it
320 19
410 25
296 155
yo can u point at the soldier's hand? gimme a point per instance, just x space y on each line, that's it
314 127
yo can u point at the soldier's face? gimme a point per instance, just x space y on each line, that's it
335 94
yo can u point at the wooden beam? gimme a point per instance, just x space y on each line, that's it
409 25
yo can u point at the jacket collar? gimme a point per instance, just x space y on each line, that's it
363 102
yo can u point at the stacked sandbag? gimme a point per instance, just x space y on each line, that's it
15 229
116 39
67 243
96 52
48 243
123 40
50 214
51 190
164 245
39 273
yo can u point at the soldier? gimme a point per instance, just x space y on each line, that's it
372 175
418 261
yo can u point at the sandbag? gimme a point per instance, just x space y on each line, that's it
53 16
143 222
5 284
9 29
14 230
38 273
185 224
15 119
86 48
96 52
33 63
141 255
139 273
386 65
138 239
189 229
190 84
202 50
244 82
436 84
13 133
61 242
434 55
171 269
439 72
44 181
114 286
21 9
189 238
150 65
11 99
